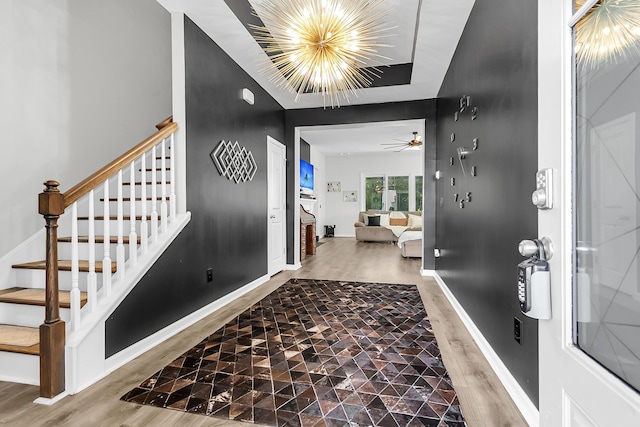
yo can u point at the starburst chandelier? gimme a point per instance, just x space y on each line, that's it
322 46
610 32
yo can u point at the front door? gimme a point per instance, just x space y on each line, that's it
589 78
276 205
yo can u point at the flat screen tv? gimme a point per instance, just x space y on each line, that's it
306 179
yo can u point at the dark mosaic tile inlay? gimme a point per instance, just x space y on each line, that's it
316 353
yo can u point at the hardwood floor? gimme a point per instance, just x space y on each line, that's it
483 399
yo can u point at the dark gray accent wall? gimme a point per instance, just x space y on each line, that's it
228 229
496 64
305 151
369 113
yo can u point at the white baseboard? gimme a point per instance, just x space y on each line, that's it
427 273
133 351
293 267
48 402
520 398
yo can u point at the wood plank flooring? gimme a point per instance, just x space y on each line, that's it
483 398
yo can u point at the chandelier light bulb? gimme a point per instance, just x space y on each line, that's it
610 32
325 36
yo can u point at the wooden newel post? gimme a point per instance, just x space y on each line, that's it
52 331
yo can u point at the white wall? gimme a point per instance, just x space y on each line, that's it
81 82
318 160
347 170
34 88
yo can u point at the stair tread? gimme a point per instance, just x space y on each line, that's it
147 182
98 239
31 296
20 339
113 218
128 199
63 265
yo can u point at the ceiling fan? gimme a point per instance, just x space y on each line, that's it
414 144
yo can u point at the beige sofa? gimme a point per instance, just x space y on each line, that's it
368 233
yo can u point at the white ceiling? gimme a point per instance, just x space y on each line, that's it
425 30
353 139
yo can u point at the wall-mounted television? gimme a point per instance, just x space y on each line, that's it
306 179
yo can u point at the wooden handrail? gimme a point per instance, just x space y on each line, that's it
165 122
75 193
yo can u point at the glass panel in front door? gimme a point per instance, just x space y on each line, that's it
607 187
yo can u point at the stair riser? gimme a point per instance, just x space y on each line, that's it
83 227
64 251
113 206
19 368
26 315
138 189
36 279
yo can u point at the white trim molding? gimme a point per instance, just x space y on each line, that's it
520 398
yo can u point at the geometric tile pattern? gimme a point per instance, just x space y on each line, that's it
316 353
233 162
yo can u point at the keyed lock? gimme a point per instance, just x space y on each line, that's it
542 197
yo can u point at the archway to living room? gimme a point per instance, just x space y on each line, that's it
366 167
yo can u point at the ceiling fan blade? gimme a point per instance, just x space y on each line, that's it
396 144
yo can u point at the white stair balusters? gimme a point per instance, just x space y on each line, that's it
92 280
154 198
75 290
172 169
120 246
106 260
163 181
133 236
144 225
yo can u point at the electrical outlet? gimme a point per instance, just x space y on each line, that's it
517 330
209 274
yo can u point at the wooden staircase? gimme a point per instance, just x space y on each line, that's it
83 278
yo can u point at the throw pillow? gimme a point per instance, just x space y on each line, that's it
366 218
374 220
415 222
399 221
396 214
384 220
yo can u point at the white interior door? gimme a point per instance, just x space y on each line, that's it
575 388
277 230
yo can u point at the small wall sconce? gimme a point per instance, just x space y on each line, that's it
247 96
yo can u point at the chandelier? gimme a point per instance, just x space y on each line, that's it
322 46
609 32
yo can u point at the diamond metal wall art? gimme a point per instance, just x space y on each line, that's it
234 162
